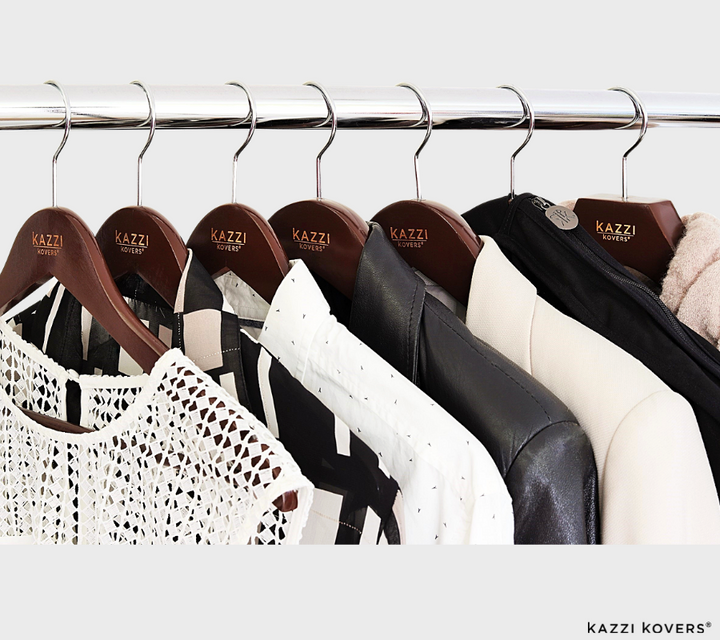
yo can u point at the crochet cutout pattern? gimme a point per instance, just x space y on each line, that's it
174 460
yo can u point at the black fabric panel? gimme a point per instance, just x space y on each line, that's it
34 319
64 342
246 370
178 333
307 429
72 395
204 294
134 287
339 304
103 352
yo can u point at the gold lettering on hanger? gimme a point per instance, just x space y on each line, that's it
410 238
311 240
129 242
47 244
615 231
228 239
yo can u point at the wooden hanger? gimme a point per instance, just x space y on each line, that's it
235 237
640 233
328 236
139 240
430 236
55 242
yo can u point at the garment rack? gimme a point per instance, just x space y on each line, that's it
302 107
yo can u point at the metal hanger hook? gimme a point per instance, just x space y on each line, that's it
427 116
66 123
332 117
252 114
152 119
640 111
529 115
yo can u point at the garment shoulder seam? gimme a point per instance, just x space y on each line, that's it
480 353
559 423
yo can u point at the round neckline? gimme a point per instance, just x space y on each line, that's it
148 384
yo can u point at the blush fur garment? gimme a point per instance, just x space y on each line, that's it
691 287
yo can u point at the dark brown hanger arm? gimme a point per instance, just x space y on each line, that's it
235 237
141 241
55 242
435 240
328 236
55 423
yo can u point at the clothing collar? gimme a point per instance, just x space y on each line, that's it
490 217
298 309
388 302
387 305
497 284
498 215
285 326
207 329
197 291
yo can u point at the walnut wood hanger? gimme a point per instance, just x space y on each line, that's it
55 242
430 236
640 233
328 236
235 237
139 240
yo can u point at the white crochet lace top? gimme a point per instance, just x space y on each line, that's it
173 459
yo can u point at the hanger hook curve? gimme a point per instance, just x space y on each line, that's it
427 116
529 115
66 123
252 114
640 111
152 118
332 117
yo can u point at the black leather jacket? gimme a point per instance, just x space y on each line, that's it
541 451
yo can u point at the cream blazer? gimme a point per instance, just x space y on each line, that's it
655 482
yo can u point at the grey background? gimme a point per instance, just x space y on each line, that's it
410 593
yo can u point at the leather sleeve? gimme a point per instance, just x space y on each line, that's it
547 480
542 453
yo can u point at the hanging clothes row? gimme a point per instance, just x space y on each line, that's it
418 378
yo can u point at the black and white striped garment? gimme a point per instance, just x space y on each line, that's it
356 501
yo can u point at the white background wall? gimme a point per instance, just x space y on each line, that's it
552 44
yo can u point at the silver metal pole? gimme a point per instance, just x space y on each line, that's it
302 107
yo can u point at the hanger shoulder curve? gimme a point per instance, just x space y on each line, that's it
235 237
55 242
139 240
435 240
328 236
